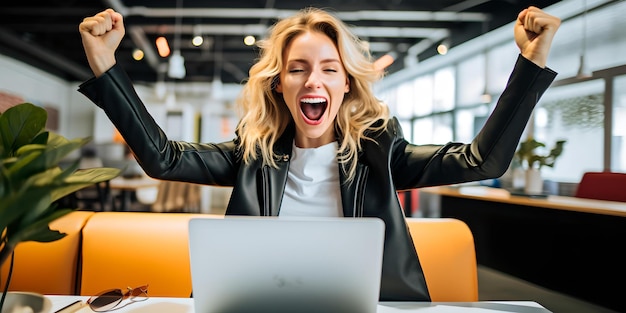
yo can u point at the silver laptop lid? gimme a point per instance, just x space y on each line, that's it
268 264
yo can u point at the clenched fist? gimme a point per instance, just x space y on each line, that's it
101 35
534 31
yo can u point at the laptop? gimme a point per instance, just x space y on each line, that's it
279 265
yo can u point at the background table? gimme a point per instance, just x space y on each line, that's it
570 245
127 186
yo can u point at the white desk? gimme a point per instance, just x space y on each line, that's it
185 305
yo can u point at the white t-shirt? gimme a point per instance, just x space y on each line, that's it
313 183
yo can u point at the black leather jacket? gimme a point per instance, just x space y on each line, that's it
385 167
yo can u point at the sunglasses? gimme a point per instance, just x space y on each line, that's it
110 299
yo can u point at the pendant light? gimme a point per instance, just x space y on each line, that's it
216 84
486 96
583 71
176 68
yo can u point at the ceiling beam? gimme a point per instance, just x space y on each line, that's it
256 29
80 72
450 14
254 13
269 13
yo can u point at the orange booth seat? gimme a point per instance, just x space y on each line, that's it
445 247
130 249
50 267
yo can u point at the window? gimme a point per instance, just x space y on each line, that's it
423 104
444 90
469 122
472 75
575 113
436 129
405 100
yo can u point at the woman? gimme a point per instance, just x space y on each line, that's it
313 140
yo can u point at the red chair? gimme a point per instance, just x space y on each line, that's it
609 186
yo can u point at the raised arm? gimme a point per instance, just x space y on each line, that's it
113 91
491 151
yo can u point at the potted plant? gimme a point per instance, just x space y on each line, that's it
31 180
528 158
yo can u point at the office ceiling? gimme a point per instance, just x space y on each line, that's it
44 32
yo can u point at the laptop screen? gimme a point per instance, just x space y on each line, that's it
269 264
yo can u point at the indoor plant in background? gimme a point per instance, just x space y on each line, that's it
31 180
532 162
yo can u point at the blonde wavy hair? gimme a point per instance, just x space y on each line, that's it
265 115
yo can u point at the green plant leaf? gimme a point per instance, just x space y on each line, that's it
56 140
31 179
36 194
16 205
24 165
40 230
57 150
69 170
41 138
26 149
45 159
84 178
527 155
4 182
19 125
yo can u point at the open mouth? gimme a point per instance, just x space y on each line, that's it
313 108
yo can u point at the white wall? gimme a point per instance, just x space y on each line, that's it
79 117
43 89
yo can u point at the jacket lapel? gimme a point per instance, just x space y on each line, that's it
277 178
277 181
348 194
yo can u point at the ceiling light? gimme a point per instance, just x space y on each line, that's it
197 41
138 54
249 40
162 47
197 36
443 47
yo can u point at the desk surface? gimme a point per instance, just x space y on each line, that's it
552 202
185 305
